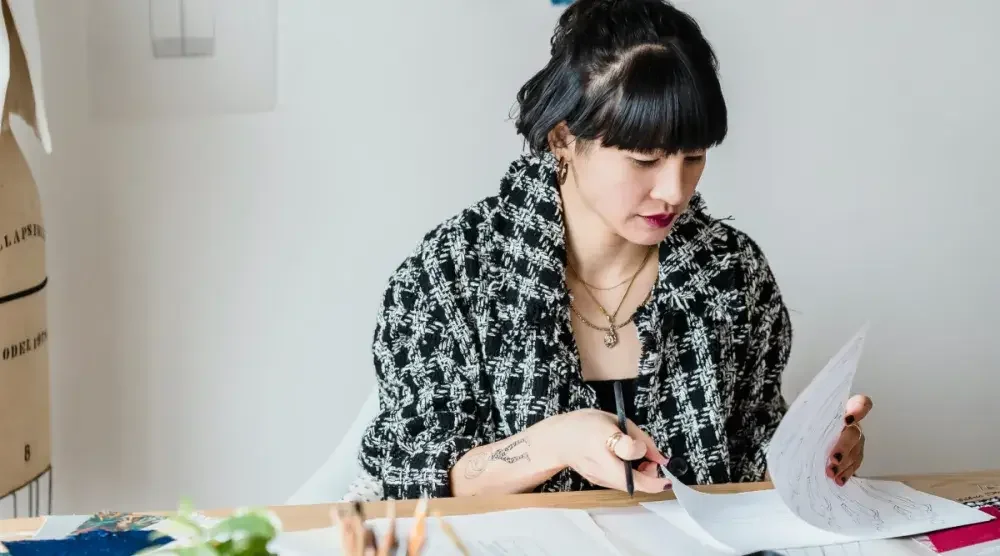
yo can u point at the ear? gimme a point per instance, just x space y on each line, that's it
560 139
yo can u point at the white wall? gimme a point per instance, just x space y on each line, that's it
230 268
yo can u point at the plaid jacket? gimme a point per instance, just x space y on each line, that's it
473 344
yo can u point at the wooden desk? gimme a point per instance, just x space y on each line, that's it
962 487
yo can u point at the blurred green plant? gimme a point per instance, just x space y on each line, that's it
247 532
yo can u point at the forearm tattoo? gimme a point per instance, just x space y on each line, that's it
504 454
507 454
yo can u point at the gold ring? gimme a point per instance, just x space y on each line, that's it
613 440
857 425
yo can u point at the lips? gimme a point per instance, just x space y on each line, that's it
659 220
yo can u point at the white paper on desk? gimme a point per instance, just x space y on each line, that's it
675 515
528 532
744 522
60 526
885 547
806 508
636 531
307 543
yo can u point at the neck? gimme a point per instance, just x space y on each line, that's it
596 253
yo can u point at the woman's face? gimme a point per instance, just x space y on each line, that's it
637 195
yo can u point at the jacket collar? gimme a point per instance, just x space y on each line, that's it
531 250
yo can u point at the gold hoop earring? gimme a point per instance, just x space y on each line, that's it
561 171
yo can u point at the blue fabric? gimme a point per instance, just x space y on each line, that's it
93 543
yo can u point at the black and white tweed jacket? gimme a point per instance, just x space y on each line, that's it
473 344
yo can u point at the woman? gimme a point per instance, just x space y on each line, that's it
500 340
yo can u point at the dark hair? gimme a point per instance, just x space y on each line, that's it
636 74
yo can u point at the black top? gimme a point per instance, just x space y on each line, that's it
605 390
606 396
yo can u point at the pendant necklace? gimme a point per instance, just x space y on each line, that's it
611 331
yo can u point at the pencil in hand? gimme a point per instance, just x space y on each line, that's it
623 426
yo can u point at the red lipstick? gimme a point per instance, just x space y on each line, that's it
659 220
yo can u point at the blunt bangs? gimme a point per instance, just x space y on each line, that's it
653 101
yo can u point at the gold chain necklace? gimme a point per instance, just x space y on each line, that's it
610 331
609 288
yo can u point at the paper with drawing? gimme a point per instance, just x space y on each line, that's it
806 508
799 450
675 515
743 522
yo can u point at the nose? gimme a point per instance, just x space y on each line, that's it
670 186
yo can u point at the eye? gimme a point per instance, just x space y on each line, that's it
694 159
645 162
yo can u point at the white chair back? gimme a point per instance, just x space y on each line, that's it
331 481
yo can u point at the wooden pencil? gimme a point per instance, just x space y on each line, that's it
448 530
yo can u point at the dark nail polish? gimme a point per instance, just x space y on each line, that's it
838 456
834 469
667 486
849 419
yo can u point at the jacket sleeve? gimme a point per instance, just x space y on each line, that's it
427 417
760 403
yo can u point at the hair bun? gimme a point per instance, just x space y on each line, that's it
599 3
634 74
601 7
592 21
607 23
579 19
581 8
590 4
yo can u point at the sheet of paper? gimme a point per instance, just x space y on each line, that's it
798 454
636 531
307 543
743 522
806 508
59 526
891 547
674 514
528 532
677 516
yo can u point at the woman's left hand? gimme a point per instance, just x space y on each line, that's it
849 451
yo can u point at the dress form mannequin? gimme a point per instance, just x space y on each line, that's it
25 443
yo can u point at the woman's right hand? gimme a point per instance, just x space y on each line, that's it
584 439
